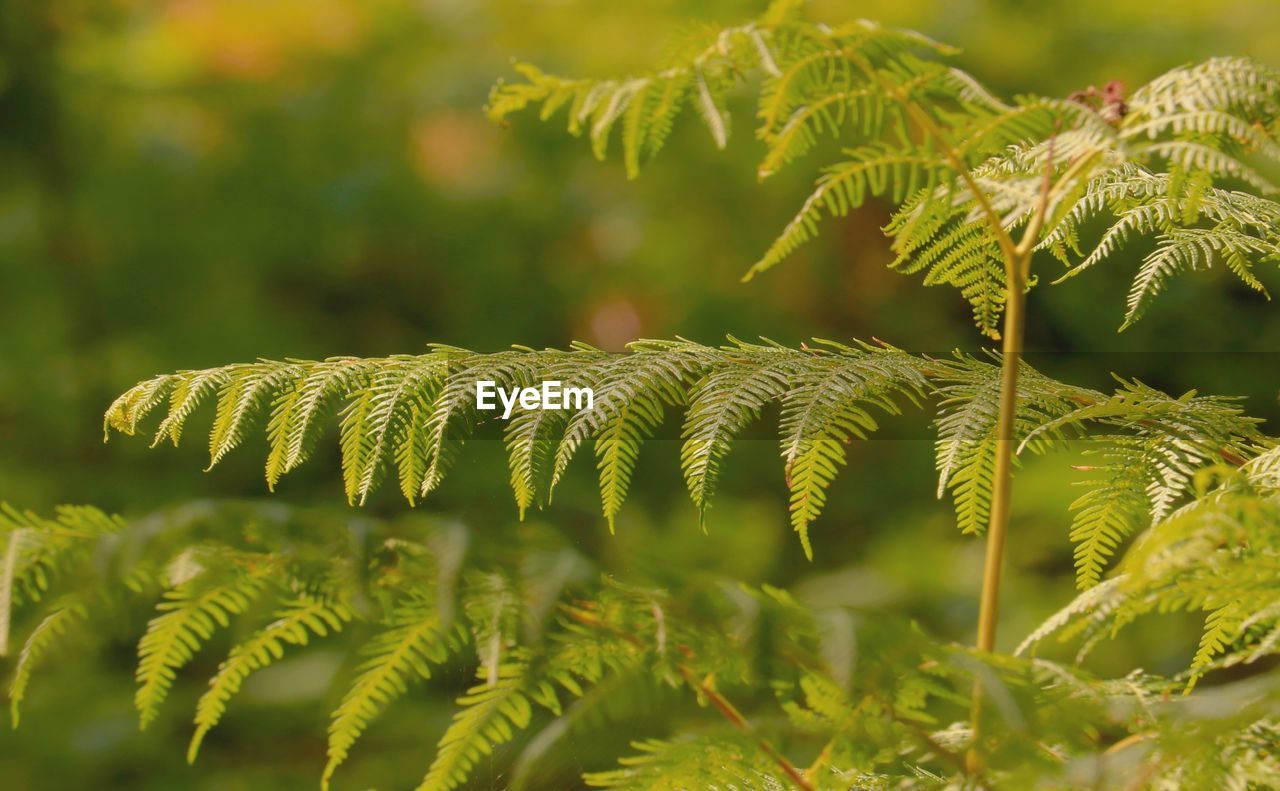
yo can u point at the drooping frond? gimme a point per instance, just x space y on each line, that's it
532 435
414 641
891 718
239 401
295 625
1152 446
632 394
384 413
819 81
189 616
298 411
62 616
622 697
1215 554
1190 249
722 405
36 551
843 187
489 714
947 246
493 606
827 407
414 411
828 394
492 712
968 428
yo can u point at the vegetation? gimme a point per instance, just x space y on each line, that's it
772 691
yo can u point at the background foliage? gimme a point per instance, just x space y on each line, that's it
195 182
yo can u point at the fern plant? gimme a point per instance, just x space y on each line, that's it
897 718
981 186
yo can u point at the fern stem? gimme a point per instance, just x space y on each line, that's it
1017 272
1002 487
705 692
735 718
6 587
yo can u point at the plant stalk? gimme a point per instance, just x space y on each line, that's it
1016 272
1002 485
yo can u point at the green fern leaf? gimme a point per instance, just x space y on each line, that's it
62 616
489 716
296 623
414 640
827 408
189 615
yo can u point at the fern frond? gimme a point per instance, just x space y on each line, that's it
299 407
631 395
718 759
62 616
1202 157
1221 627
296 623
619 699
493 608
1188 249
968 433
1215 554
408 409
489 716
239 400
722 405
189 390
1085 603
1238 85
453 414
36 551
414 640
827 407
938 239
1152 466
966 168
383 415
189 615
883 724
1111 510
646 105
870 170
531 436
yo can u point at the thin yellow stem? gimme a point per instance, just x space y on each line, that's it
1017 272
7 573
1002 485
719 701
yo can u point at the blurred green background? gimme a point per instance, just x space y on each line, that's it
195 182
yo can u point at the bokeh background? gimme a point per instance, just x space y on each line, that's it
193 182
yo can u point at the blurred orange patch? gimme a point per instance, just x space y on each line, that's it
256 39
454 150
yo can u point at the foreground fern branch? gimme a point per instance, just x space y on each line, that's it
897 719
829 394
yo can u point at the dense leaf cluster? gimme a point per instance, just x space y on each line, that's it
967 169
772 694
